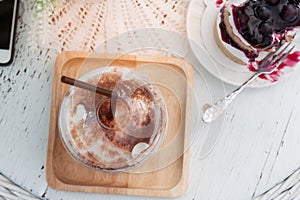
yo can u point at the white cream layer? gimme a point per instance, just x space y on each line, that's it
234 51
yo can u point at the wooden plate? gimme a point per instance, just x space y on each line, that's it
150 179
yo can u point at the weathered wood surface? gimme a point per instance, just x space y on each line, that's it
258 147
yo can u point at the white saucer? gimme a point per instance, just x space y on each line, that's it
201 18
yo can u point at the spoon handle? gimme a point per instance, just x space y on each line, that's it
218 108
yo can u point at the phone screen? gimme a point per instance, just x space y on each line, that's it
6 17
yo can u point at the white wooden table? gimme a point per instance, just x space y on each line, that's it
259 142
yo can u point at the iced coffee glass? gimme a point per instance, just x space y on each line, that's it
118 141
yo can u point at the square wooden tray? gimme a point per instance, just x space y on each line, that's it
64 173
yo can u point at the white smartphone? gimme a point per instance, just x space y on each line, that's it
8 15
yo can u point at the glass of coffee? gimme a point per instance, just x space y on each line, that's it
113 141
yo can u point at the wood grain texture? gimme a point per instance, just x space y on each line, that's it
150 179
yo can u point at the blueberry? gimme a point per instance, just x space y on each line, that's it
267 41
272 2
244 31
246 34
256 40
243 20
289 13
263 12
265 28
249 10
253 24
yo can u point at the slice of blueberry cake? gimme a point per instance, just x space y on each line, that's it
255 26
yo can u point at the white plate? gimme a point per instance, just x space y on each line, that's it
201 18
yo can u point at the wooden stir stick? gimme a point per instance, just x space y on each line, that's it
93 88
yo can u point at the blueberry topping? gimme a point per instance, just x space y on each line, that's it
257 40
243 20
249 11
258 20
272 2
265 28
253 24
264 13
289 13
268 40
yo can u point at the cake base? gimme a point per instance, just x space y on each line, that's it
221 45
